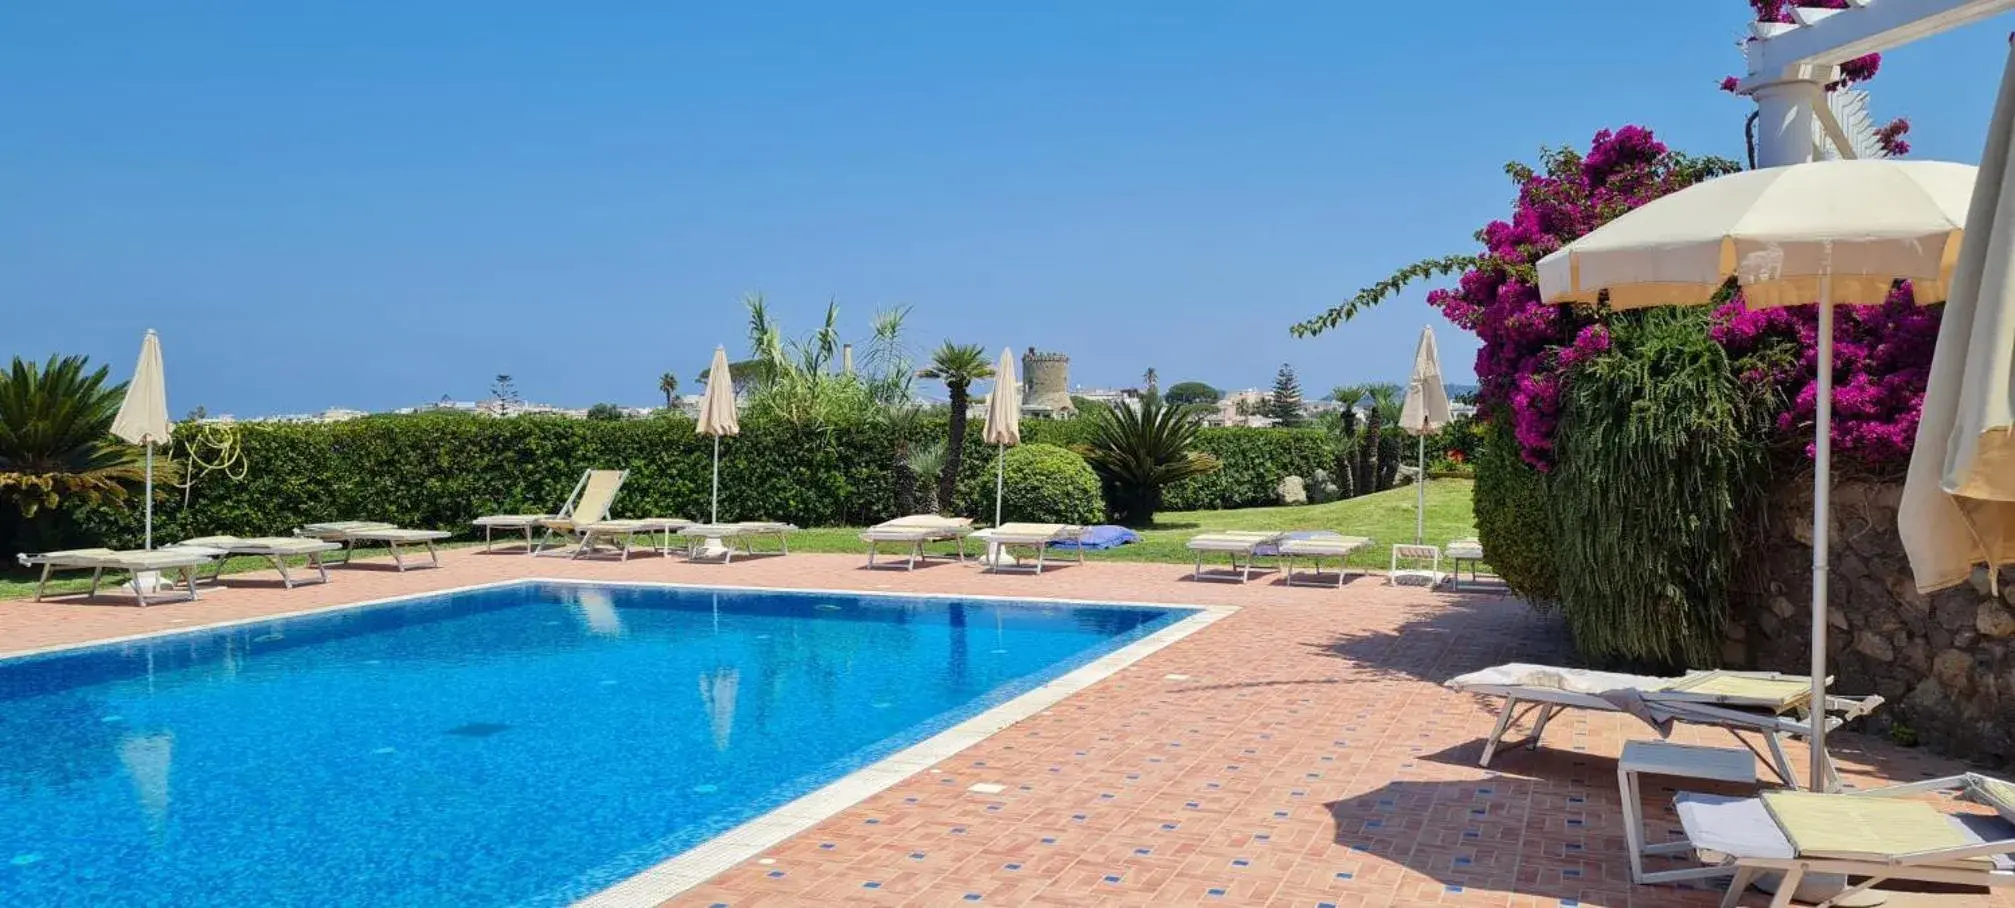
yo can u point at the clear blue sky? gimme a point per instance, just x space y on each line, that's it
374 204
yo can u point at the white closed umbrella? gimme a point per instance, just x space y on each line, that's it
718 417
143 415
1828 231
1423 414
1003 422
1958 507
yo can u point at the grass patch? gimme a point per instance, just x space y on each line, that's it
1386 517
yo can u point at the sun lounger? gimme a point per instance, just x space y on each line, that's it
135 562
1458 552
277 548
1236 544
1316 548
590 503
1424 564
1877 835
916 530
594 535
1773 706
696 536
351 532
1009 536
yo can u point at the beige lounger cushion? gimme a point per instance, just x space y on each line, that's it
741 528
261 545
142 559
638 525
67 556
345 526
1225 542
1033 532
1325 545
924 521
396 534
514 521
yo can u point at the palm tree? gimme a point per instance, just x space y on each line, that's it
668 385
1136 451
55 435
1383 403
958 366
1152 379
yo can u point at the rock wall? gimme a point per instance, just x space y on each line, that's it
1942 662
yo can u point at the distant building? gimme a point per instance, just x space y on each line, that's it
1046 384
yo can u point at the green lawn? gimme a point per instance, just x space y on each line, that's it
1387 517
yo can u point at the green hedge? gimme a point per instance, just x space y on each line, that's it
1042 483
444 470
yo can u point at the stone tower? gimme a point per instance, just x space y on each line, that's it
1046 383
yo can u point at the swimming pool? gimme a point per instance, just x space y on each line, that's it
525 744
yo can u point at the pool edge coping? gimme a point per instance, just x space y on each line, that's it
675 875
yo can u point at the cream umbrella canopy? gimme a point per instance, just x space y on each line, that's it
1423 414
143 415
1003 422
1831 231
718 418
1958 506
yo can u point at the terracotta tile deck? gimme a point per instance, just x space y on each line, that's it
1300 752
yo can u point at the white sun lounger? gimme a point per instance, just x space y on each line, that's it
1315 549
1768 704
916 530
1879 835
277 548
696 536
1009 536
133 561
593 535
351 532
1236 544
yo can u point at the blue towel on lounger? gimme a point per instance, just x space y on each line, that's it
1099 538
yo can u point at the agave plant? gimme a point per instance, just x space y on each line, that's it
55 436
1139 450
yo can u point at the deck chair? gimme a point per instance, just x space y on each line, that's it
915 531
1235 544
1010 536
1772 706
134 562
744 532
530 523
1880 834
277 548
590 503
351 532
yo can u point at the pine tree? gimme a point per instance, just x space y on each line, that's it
1285 405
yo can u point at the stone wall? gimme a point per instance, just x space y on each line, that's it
1942 662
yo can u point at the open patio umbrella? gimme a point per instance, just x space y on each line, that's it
1828 231
1958 505
143 415
1003 422
717 417
1423 414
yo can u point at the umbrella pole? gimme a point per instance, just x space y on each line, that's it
715 517
1000 481
1822 535
1420 497
150 495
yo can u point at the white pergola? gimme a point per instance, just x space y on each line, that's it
1790 64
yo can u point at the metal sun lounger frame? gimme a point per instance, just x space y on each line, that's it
278 554
98 560
609 530
1007 542
696 536
916 535
351 532
1932 866
1692 709
1232 543
1317 548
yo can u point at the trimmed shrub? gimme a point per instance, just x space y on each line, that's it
1043 484
1511 521
1253 463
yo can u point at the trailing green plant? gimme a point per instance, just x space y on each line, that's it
1041 484
55 436
1661 449
1139 451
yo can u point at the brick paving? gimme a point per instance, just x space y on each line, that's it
1300 752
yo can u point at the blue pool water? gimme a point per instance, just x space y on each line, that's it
518 745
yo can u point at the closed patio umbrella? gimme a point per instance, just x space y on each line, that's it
1828 231
1958 507
143 415
718 418
1003 422
1423 414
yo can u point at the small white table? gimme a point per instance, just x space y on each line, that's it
1684 761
